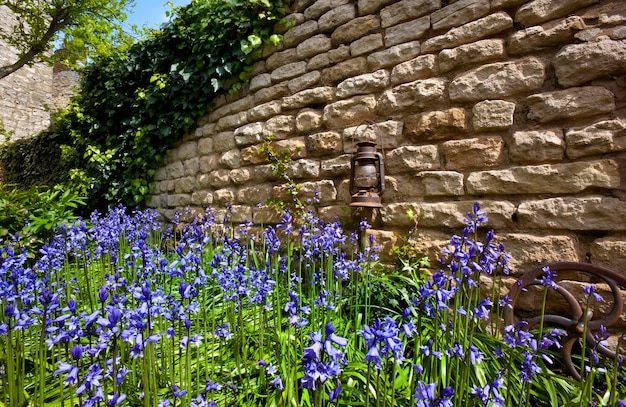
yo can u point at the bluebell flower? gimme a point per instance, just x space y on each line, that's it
425 395
547 278
590 290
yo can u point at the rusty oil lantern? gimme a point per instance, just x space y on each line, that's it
367 174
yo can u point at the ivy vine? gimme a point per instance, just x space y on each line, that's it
133 106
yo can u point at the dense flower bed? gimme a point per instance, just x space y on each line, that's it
120 311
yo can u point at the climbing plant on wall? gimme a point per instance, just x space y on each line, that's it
134 105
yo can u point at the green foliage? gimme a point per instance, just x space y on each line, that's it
409 257
134 105
34 213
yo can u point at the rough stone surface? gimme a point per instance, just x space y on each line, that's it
288 71
324 190
470 54
278 59
442 183
416 95
537 146
260 81
309 97
387 134
603 137
355 29
452 214
349 112
570 103
421 67
372 6
325 143
366 44
539 11
249 134
492 115
264 111
407 10
308 120
498 80
529 251
405 32
544 36
580 63
480 152
363 84
336 17
413 158
436 125
573 213
313 46
458 13
300 33
393 55
610 252
557 178
343 70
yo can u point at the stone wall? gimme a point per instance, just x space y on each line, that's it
519 105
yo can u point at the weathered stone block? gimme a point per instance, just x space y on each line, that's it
320 95
264 110
240 176
577 64
324 191
407 10
529 251
231 159
335 167
305 81
405 32
192 166
436 125
205 146
537 146
280 127
494 81
470 54
569 213
543 36
539 11
185 185
175 170
441 183
334 56
366 44
412 159
372 6
299 33
394 55
343 70
232 121
355 29
209 163
470 32
480 152
415 95
224 197
493 115
320 7
184 151
556 179
349 112
301 169
278 59
603 137
271 93
219 178
452 214
610 252
570 103
421 67
288 71
308 120
254 194
387 133
312 46
205 130
249 134
326 143
178 200
363 84
458 13
336 17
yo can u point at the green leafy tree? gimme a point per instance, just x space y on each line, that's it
84 28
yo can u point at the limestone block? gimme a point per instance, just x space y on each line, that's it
550 34
234 213
312 46
366 44
502 4
452 214
249 134
570 213
253 155
320 95
336 167
394 55
421 67
343 70
265 215
325 143
231 159
320 7
537 146
288 71
355 29
178 200
280 127
437 125
371 6
209 163
289 21
160 174
175 170
264 110
272 93
610 252
254 194
529 251
184 151
603 137
539 11
407 10
240 176
324 191
295 146
191 166
556 178
278 59
405 32
470 32
349 112
299 33
363 84
232 121
308 120
308 80
499 80
385 241
336 17
396 188
474 153
570 103
441 183
224 141
185 185
224 197
303 169
334 56
205 146
470 54
420 94
493 115
387 134
458 13
577 64
412 159
205 130
298 6
219 178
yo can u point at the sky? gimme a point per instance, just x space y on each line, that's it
152 12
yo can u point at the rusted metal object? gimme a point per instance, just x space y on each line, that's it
573 323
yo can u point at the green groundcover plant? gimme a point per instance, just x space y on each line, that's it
119 311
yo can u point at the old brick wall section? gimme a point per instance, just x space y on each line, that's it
520 105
